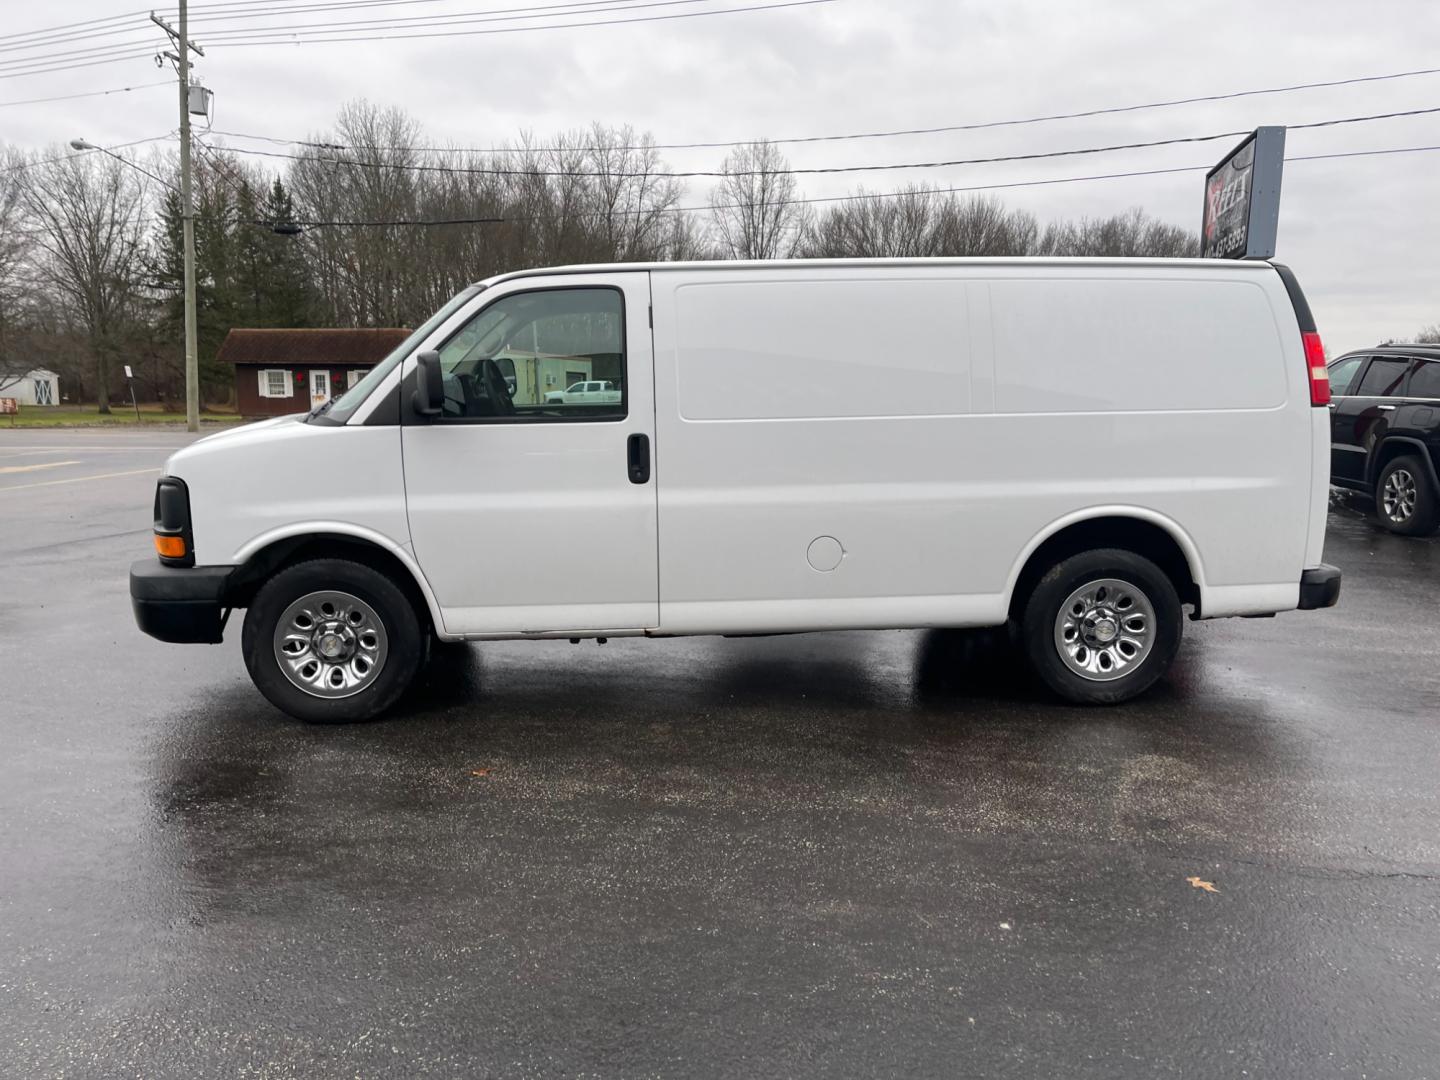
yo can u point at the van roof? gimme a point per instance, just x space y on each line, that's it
724 265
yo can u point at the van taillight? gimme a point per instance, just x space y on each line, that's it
1319 373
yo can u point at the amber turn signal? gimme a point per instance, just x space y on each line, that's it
170 547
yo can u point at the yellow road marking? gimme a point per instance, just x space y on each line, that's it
77 479
31 468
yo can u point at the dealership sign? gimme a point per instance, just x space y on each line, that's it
1242 199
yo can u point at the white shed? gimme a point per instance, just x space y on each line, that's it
38 387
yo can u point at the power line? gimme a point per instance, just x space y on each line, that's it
244 8
236 9
859 135
90 53
863 196
527 11
333 6
130 26
136 55
90 93
824 170
131 49
49 30
1059 116
529 29
426 22
405 222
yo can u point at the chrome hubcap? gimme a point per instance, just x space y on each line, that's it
1105 629
1397 497
330 644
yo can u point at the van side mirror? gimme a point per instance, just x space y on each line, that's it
429 396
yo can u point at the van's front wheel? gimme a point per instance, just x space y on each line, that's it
331 641
1102 627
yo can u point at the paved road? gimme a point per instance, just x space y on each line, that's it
843 855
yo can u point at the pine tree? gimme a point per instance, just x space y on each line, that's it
290 297
215 292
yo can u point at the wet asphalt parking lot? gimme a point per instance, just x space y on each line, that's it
861 855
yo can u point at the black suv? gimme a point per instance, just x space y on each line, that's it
1385 432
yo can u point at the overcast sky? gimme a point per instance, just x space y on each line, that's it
1362 233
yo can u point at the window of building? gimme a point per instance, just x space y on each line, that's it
276 383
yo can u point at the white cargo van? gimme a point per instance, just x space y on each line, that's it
1088 450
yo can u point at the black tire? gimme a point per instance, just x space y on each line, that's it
403 637
1039 626
1420 513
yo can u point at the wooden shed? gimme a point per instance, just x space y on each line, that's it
288 371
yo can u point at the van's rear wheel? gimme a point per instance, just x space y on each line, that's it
331 641
1102 626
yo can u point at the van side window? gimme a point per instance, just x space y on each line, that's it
1425 379
1342 374
529 356
1383 377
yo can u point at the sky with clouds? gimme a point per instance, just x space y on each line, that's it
1362 233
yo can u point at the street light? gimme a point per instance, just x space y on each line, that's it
81 144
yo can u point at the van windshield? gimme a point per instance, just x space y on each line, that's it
348 402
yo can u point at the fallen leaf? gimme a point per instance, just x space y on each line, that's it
479 772
1208 886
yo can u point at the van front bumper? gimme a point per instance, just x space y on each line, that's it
1319 587
180 604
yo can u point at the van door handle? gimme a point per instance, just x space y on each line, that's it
1386 408
639 459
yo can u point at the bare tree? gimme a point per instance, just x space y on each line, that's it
630 194
89 216
1132 234
756 215
978 226
685 240
14 246
365 274
1430 335
920 222
876 226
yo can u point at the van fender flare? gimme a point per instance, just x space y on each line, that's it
1170 526
258 543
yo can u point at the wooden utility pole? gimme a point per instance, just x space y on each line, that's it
181 56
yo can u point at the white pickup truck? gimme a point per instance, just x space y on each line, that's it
585 393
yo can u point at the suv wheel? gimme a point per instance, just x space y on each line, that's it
1405 500
1102 627
331 641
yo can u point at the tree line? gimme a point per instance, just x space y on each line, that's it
90 246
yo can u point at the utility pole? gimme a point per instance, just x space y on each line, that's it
181 56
